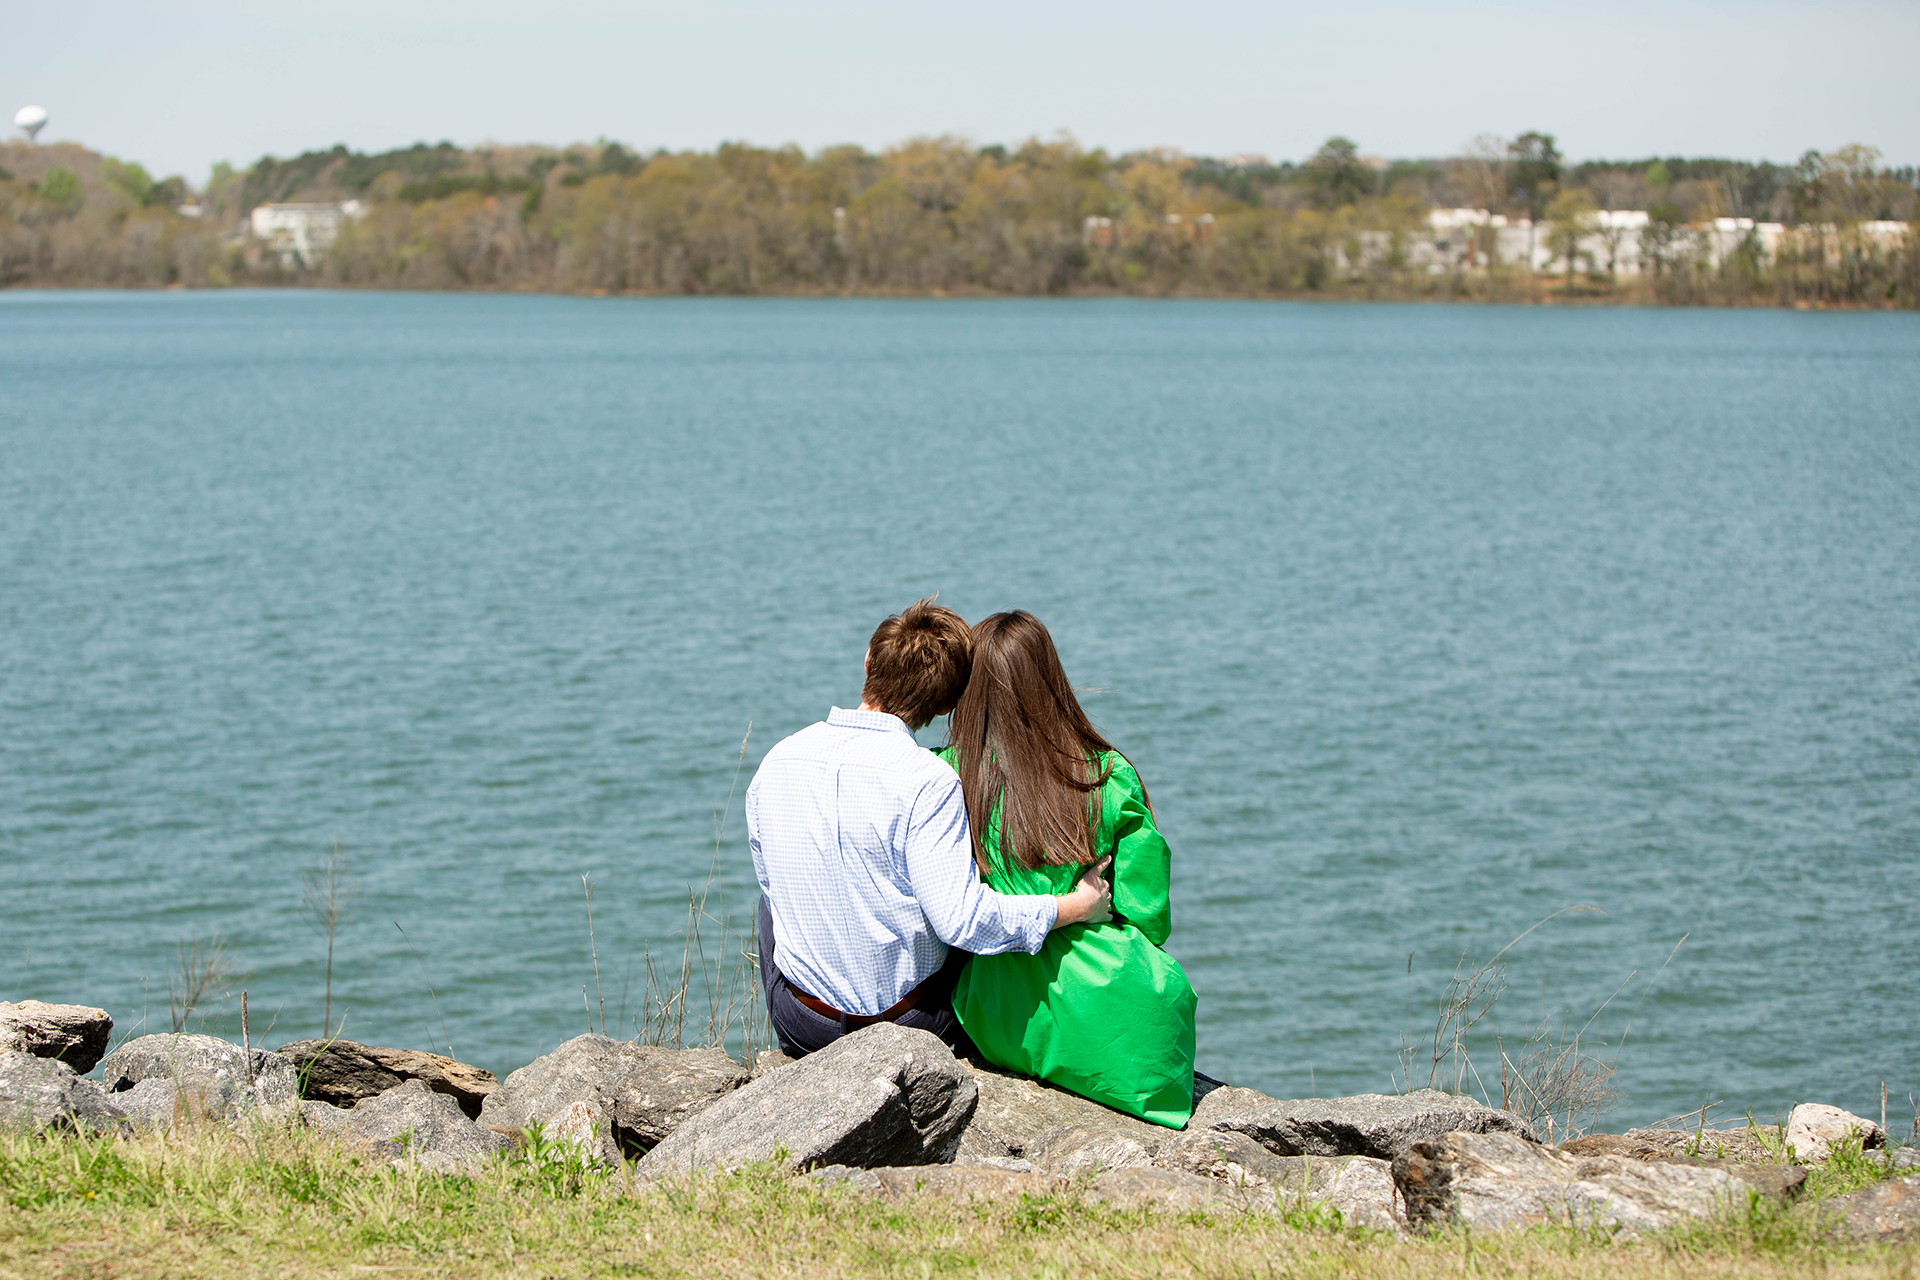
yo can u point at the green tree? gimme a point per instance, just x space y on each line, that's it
1337 176
1571 217
60 187
1533 175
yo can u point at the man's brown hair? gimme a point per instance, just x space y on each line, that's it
918 662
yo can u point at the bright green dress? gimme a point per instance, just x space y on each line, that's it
1101 1010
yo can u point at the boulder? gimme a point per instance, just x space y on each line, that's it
1813 1128
412 1122
1888 1213
1369 1124
638 1093
1497 1181
342 1072
667 1086
41 1093
1016 1111
71 1033
1360 1187
885 1095
1904 1158
219 1074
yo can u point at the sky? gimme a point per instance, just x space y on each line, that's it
179 86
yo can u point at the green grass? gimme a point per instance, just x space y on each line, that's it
274 1203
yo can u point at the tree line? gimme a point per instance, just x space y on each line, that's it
936 215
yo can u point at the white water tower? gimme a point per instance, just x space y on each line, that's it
31 121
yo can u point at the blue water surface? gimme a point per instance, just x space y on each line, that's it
1421 623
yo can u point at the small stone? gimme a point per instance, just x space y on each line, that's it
75 1034
1813 1128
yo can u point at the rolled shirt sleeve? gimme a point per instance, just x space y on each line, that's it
945 881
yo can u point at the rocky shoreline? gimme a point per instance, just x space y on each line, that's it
891 1112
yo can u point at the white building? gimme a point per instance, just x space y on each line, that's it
302 233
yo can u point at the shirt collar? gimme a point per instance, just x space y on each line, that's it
844 719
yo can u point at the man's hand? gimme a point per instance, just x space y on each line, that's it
1091 901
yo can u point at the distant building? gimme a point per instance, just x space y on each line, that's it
302 233
1246 160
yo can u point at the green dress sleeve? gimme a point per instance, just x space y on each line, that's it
1142 863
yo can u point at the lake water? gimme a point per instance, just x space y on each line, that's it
1421 623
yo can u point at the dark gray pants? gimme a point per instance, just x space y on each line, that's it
802 1031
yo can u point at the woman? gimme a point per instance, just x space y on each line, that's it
1101 1010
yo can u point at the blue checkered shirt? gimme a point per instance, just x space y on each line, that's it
860 843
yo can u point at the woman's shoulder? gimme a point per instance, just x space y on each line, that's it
1121 773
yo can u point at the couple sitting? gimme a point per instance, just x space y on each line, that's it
870 852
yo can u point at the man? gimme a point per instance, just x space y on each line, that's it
870 897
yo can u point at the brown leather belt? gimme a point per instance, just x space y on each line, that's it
893 1014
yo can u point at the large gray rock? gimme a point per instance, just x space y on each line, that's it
412 1122
1368 1124
41 1093
1360 1187
885 1095
342 1072
219 1073
587 1070
636 1094
1016 1113
1814 1127
1498 1181
1885 1214
72 1033
669 1085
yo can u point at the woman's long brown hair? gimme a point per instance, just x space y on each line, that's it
1024 744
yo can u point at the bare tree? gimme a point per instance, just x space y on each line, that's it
327 894
201 966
